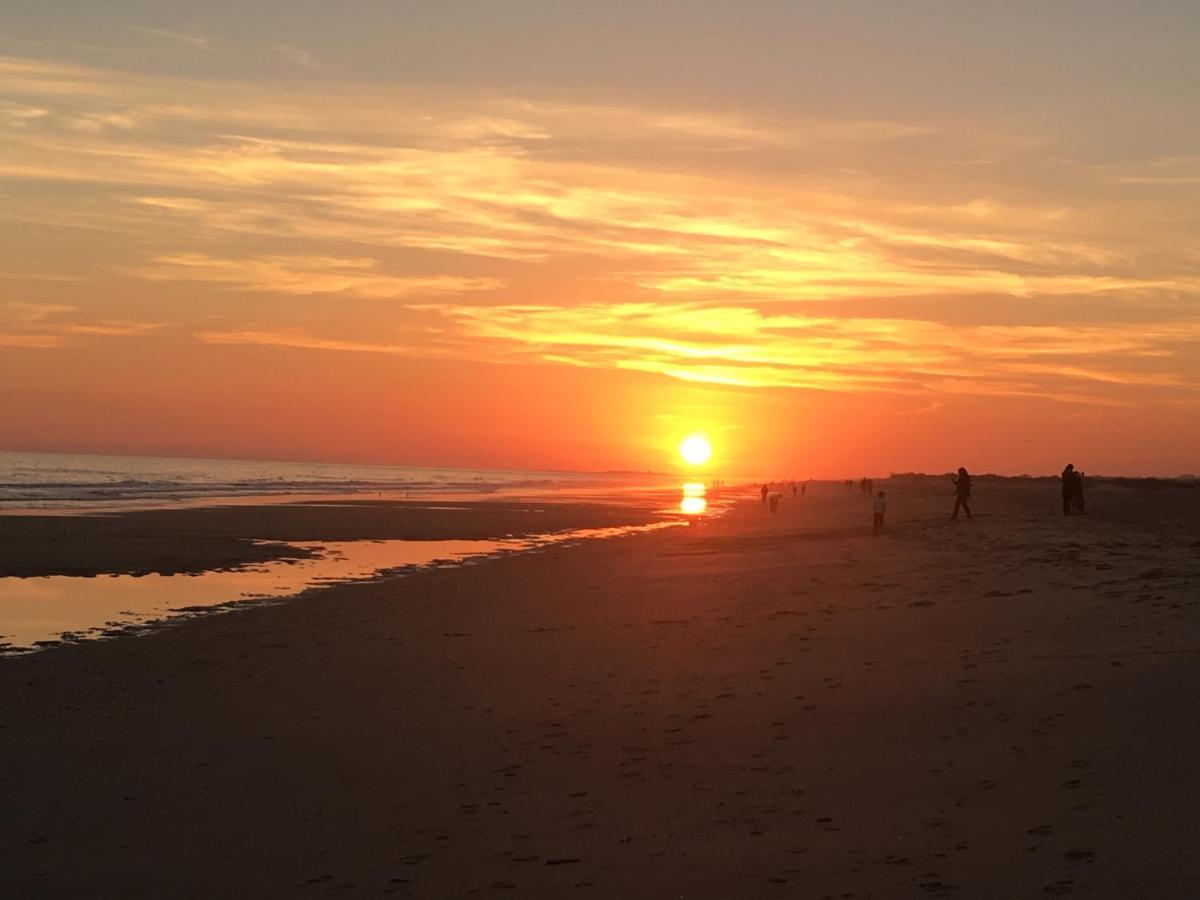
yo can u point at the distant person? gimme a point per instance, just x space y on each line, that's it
764 495
803 490
962 492
773 501
793 489
1071 489
880 508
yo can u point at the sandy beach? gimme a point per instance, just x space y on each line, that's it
199 539
752 706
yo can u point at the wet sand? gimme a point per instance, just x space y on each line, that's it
199 539
753 707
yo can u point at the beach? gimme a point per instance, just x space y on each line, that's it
745 706
190 540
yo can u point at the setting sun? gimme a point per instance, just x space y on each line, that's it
695 450
415 319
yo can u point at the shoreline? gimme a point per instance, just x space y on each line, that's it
63 580
196 539
749 707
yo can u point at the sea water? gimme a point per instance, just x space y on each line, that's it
76 481
36 612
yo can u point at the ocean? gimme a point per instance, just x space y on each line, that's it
65 481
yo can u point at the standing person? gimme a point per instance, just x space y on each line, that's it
803 490
764 495
962 492
880 508
1070 488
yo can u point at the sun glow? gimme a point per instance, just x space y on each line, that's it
695 450
693 502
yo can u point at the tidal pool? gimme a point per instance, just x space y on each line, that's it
36 612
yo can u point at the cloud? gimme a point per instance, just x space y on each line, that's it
36 325
18 115
19 312
925 410
30 341
747 348
358 276
698 244
180 37
296 56
299 340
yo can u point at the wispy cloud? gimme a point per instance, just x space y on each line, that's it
297 56
748 348
304 275
200 42
696 244
45 325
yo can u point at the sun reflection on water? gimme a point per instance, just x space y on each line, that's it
693 502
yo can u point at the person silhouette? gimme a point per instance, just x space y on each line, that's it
962 492
1070 488
879 507
763 491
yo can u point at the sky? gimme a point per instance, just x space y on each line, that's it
835 237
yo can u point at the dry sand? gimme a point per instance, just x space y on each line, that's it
755 707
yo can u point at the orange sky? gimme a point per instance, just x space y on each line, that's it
291 238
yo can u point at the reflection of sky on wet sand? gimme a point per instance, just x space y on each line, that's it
35 610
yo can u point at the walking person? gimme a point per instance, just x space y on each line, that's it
880 509
962 492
